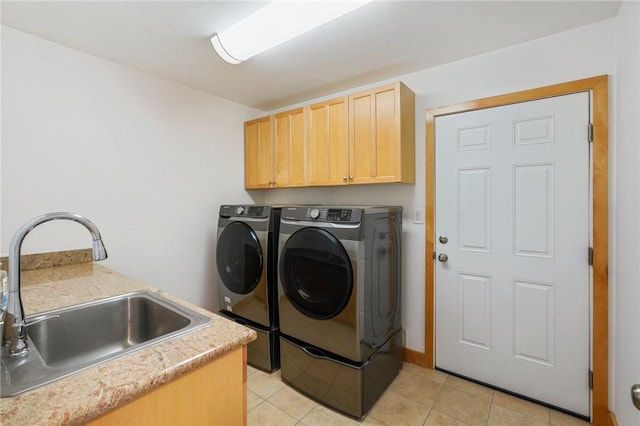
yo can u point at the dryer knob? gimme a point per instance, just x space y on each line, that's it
239 210
314 213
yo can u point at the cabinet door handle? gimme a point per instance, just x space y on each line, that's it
344 178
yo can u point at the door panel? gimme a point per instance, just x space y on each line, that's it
289 147
475 310
533 212
534 336
386 150
475 209
258 153
328 139
362 156
512 293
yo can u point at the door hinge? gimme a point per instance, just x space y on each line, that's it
590 256
590 132
434 254
590 379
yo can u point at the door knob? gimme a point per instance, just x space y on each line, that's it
442 257
635 395
443 239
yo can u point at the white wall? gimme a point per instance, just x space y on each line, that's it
580 53
625 214
148 160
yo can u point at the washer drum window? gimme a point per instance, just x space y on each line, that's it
316 273
239 258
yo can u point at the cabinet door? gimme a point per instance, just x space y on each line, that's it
215 394
327 139
290 149
381 135
258 153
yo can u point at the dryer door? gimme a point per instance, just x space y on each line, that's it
239 258
316 273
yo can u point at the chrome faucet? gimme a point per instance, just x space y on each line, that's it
14 333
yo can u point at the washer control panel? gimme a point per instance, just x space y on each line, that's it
244 211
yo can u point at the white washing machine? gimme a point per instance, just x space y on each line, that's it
246 255
339 302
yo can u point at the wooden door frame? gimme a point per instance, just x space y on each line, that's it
598 86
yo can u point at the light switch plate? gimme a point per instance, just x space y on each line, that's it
418 216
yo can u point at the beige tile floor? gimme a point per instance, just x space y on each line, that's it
418 396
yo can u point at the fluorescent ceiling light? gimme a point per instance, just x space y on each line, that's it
275 23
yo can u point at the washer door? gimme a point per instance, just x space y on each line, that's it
239 258
316 273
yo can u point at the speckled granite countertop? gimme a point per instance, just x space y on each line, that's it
93 392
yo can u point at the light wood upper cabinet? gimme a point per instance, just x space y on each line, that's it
275 150
258 153
367 137
290 149
382 135
327 142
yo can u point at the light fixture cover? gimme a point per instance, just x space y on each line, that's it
275 23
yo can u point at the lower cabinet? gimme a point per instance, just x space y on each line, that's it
215 394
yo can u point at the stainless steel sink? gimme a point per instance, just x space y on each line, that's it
71 339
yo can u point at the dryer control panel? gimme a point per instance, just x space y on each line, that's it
323 214
339 215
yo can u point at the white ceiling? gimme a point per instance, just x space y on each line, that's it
379 41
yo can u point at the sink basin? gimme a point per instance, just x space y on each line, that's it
71 339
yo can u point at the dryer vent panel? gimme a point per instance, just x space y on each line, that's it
382 297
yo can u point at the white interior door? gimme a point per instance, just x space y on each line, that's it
512 300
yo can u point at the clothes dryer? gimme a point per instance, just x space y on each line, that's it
339 302
246 255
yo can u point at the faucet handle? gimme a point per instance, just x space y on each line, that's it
18 343
14 335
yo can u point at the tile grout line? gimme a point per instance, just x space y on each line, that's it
447 383
493 396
